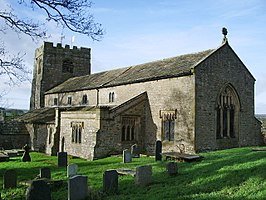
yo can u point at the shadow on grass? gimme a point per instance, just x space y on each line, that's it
226 176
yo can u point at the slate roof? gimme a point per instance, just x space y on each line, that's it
41 115
166 68
47 114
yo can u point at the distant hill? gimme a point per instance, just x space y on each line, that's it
262 118
9 113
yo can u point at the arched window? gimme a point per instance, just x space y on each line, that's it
111 97
227 111
128 133
77 128
67 66
132 132
123 133
84 99
129 130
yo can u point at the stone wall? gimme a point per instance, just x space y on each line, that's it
221 68
175 94
90 121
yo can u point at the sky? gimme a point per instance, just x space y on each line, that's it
140 31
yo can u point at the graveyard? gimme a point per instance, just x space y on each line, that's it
227 174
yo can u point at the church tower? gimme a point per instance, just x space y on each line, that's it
54 65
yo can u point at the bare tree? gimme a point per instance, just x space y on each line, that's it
71 14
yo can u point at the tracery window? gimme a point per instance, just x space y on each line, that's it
227 110
77 128
168 125
128 128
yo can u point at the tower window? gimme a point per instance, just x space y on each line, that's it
67 66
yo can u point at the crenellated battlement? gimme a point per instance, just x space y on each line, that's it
50 45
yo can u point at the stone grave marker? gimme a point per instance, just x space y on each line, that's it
0 197
62 159
110 181
72 170
10 179
26 155
38 190
45 173
77 187
135 151
143 175
158 150
171 168
127 156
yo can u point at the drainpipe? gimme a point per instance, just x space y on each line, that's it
97 97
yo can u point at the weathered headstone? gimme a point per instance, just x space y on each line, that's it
158 150
171 168
62 159
38 190
110 181
26 155
143 175
127 156
77 187
72 170
45 173
10 179
135 151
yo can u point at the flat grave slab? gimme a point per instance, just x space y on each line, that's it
181 156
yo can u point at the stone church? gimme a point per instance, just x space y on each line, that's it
194 102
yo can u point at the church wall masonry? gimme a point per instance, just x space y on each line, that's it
192 102
220 69
174 95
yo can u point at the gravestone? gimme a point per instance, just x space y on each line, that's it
135 151
78 187
110 181
26 155
62 159
127 156
10 179
45 173
143 175
171 168
38 190
72 170
0 197
158 150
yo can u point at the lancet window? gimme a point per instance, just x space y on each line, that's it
128 128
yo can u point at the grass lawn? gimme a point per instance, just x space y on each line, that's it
237 174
